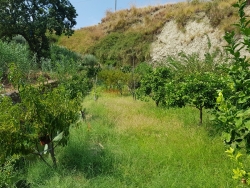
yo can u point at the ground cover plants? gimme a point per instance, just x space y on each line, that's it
127 143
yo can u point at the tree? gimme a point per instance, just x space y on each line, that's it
114 79
200 90
153 85
33 19
43 114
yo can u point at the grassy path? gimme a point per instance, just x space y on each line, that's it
126 143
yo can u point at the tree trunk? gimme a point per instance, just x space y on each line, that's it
52 154
157 103
200 109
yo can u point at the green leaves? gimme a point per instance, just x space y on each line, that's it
114 79
32 19
119 49
153 85
233 112
58 137
39 116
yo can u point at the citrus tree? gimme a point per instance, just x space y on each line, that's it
233 111
152 85
200 90
233 114
42 117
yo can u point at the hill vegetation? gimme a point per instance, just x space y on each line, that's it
75 112
131 31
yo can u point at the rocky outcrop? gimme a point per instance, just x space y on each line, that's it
197 38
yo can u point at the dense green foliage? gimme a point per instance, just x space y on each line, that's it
233 113
117 137
200 90
42 113
118 49
153 85
15 53
185 80
44 109
114 79
91 65
33 19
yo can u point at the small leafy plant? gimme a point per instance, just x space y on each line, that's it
240 173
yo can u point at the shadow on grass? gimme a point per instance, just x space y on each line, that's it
87 156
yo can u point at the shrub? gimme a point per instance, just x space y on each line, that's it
11 173
119 49
90 64
17 54
114 79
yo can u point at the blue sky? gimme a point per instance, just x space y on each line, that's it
90 12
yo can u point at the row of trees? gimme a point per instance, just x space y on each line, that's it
185 80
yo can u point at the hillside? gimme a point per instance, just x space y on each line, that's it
155 32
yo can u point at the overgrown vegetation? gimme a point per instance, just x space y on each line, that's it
120 49
36 110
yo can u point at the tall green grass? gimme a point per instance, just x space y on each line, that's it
127 143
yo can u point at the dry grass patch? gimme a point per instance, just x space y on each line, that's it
82 39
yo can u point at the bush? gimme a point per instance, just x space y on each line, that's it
114 79
11 173
17 54
90 64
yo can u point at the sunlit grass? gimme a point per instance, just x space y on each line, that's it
127 143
